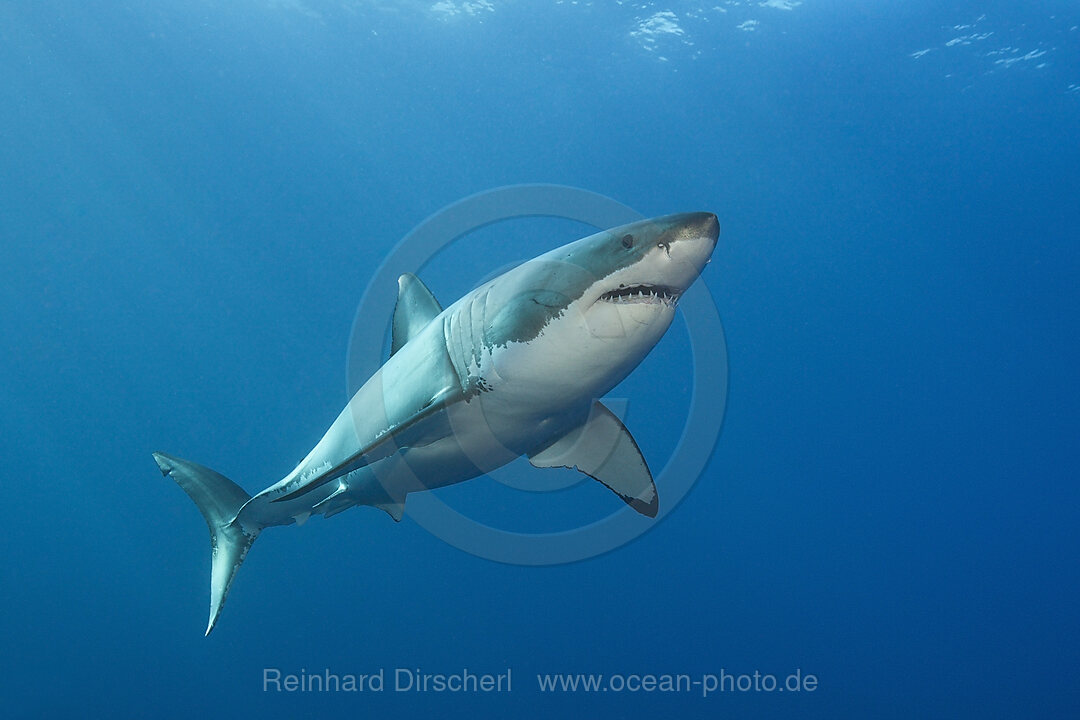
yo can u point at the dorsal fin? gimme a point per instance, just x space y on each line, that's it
415 308
603 449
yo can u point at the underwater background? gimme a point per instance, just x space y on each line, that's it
194 196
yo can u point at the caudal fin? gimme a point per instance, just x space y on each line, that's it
219 500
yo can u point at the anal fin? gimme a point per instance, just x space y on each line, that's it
395 510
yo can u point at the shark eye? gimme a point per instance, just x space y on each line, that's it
628 241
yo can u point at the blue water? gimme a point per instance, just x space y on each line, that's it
194 196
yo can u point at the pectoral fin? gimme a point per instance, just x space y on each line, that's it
603 449
415 308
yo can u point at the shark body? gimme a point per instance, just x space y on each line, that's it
512 368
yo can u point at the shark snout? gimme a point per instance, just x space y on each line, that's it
699 227
690 240
702 224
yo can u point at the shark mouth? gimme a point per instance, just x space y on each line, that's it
649 294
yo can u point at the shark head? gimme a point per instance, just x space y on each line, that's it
661 258
578 319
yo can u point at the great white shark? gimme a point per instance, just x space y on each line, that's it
512 368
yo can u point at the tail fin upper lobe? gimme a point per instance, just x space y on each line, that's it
219 500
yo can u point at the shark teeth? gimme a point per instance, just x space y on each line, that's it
642 294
